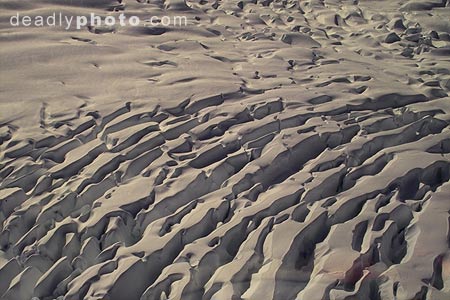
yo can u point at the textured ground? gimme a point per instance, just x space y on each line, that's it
269 150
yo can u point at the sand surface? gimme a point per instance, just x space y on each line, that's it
268 150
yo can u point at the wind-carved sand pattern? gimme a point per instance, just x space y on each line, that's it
268 150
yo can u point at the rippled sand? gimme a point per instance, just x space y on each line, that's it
268 150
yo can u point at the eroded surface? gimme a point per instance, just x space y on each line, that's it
269 150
